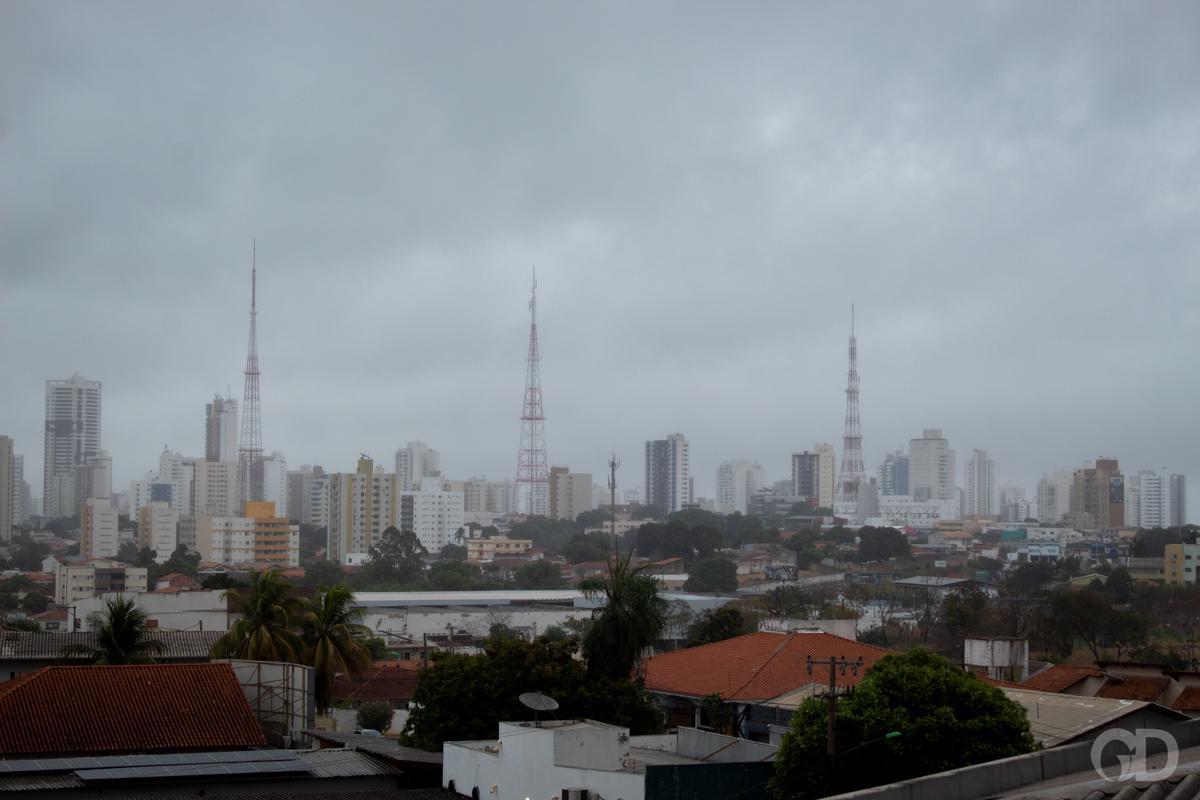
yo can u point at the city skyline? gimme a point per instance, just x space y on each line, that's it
699 234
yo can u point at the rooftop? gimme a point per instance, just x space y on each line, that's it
43 646
755 667
1058 718
385 680
152 708
1059 677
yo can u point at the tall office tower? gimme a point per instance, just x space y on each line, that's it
979 486
432 513
1178 516
72 437
893 474
667 479
570 493
250 449
158 529
414 461
852 473
19 491
7 495
737 481
1054 496
362 505
533 466
931 467
275 483
1099 493
1151 499
220 429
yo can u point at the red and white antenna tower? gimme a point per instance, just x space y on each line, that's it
852 475
250 451
533 472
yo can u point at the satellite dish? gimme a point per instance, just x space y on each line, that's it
538 701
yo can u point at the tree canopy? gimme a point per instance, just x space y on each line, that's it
394 559
123 635
713 574
465 696
631 619
946 718
717 625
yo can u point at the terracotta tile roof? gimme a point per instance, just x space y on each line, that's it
1060 677
386 680
1188 700
1134 688
757 666
157 708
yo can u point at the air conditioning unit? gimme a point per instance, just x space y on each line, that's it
575 794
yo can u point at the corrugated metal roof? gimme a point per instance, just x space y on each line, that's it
346 763
48 646
1057 718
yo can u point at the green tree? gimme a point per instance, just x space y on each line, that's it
881 544
377 648
946 718
27 625
271 610
220 581
333 636
538 575
587 547
453 552
122 635
717 625
182 561
465 696
712 574
323 572
375 715
394 559
962 612
593 519
631 619
453 576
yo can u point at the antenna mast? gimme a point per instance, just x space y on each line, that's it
852 474
533 472
250 451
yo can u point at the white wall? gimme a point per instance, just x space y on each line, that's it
183 611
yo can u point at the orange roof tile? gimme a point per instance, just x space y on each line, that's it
152 708
1188 700
1134 688
757 666
1060 677
385 680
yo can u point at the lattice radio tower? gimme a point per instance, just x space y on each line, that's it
533 472
852 475
250 450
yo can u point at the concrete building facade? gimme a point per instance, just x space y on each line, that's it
259 536
980 490
737 481
893 473
362 505
158 529
1100 492
668 481
432 513
72 436
8 496
931 467
414 461
570 493
221 429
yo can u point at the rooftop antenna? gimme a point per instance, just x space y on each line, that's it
538 702
613 463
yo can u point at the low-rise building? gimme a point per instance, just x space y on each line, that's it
585 759
480 551
83 580
259 537
1179 564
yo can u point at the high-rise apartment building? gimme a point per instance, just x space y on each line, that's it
362 505
813 475
1150 499
980 496
931 467
1054 496
1099 492
667 473
308 495
7 485
481 496
414 461
737 481
72 437
98 521
215 491
275 482
1178 501
893 474
571 493
1014 507
158 529
23 506
221 429
433 513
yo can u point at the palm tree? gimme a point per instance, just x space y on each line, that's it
270 610
332 634
122 636
632 618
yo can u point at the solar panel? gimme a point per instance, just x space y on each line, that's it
294 766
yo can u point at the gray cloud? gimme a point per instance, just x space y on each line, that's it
1007 191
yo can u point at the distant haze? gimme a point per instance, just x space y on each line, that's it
1009 193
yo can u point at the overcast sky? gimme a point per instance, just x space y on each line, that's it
1008 192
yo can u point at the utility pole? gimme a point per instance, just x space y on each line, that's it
613 463
834 665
